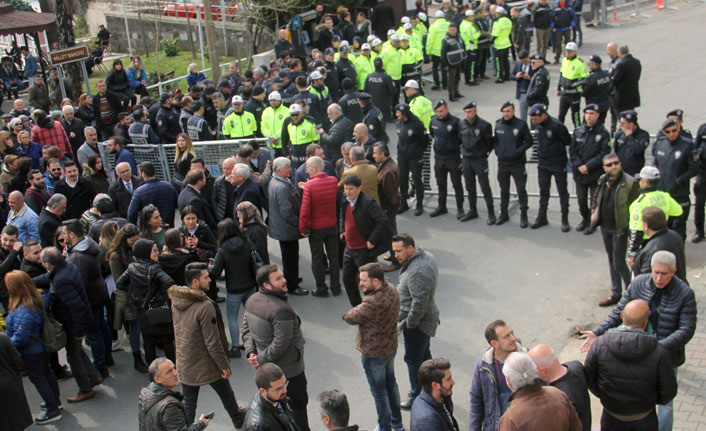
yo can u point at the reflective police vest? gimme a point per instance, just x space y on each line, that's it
656 198
303 133
271 124
573 72
139 132
391 63
363 67
437 30
411 59
184 117
469 34
195 127
323 95
455 51
421 107
502 28
239 125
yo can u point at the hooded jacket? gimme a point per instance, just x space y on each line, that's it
162 410
630 371
200 336
84 255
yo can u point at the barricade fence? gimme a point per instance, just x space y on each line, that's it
213 153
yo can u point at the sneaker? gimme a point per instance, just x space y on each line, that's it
234 352
47 417
116 346
43 406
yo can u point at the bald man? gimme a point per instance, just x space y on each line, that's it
22 217
611 51
567 377
630 372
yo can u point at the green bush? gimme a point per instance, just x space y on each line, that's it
170 48
80 26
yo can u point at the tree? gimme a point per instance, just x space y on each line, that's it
21 5
64 11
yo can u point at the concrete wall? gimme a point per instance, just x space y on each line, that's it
175 27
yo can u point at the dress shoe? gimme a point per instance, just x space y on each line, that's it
470 215
589 230
438 211
611 300
406 404
65 373
452 99
335 291
234 353
393 267
698 236
435 88
472 83
105 373
299 292
565 226
220 300
139 364
97 381
403 209
459 96
321 293
459 213
499 81
583 225
81 397
418 211
504 218
485 77
110 362
539 222
491 220
523 221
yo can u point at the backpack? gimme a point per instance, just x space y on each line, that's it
53 334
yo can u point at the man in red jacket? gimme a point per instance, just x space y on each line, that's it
317 221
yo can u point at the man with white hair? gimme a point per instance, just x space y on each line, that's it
341 131
245 188
568 378
73 127
22 217
672 315
534 407
89 147
222 195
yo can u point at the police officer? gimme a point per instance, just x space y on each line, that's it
700 185
412 143
297 134
483 51
573 72
311 101
597 87
437 30
678 115
363 65
476 144
591 141
538 86
453 56
272 120
511 141
630 143
392 64
255 106
197 127
420 106
223 110
649 179
332 81
167 120
411 58
501 30
140 132
470 35
553 138
677 161
349 102
319 89
444 129
372 117
240 124
344 66
381 86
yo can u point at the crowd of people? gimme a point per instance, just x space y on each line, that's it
102 252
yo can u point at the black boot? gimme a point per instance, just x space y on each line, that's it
470 215
491 216
139 364
524 221
504 218
540 221
698 236
565 222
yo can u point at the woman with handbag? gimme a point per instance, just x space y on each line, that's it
175 257
147 284
234 254
254 228
119 258
24 327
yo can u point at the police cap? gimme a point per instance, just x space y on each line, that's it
629 115
469 105
537 109
591 107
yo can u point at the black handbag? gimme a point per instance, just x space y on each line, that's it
255 259
156 314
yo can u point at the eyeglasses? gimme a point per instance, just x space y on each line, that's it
670 131
609 164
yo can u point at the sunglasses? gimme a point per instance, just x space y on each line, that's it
609 164
669 132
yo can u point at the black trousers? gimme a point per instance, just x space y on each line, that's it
616 247
352 260
415 166
544 177
436 67
614 116
81 365
518 173
477 168
469 68
443 169
454 79
503 63
40 374
165 341
391 214
224 391
482 56
678 224
700 192
290 263
318 239
298 400
583 194
573 102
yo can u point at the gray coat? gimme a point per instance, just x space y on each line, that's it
416 288
285 204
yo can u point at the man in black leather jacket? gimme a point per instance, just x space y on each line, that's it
269 410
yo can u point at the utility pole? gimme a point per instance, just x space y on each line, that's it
211 41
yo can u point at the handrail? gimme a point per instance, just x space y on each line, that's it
179 78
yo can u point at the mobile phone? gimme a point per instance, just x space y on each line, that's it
209 416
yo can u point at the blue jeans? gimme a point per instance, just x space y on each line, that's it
380 373
99 338
648 423
665 413
233 301
416 351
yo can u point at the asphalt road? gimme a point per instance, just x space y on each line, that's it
543 283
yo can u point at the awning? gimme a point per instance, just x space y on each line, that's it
20 22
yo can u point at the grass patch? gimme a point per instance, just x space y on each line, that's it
178 64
